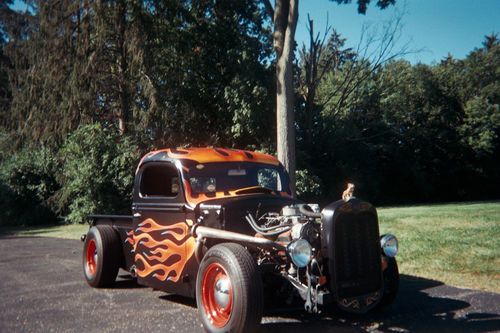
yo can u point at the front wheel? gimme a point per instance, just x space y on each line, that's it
391 283
229 291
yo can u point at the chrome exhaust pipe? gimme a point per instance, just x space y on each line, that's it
201 233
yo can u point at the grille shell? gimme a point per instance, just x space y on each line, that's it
350 240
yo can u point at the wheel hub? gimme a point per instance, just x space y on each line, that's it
221 292
91 258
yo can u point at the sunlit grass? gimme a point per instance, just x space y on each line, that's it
71 231
458 244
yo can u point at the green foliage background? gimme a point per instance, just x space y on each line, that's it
87 87
97 173
27 183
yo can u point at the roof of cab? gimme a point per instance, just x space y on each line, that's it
210 155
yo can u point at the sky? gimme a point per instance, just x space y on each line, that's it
434 28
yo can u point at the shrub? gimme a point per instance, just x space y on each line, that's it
308 186
97 174
27 185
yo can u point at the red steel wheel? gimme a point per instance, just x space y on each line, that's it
91 258
217 295
229 290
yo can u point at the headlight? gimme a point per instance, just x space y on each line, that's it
300 251
389 244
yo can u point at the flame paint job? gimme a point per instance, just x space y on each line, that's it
211 155
170 247
206 155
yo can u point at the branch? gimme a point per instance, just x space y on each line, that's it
280 25
369 59
269 8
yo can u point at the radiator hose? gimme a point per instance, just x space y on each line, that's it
307 211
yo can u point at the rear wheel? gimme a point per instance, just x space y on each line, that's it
229 290
101 256
391 283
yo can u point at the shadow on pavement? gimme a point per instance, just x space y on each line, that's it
191 302
414 310
126 281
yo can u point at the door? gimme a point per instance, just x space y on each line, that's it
162 241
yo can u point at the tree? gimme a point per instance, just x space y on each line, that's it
116 59
363 4
322 57
490 41
285 15
5 95
15 29
480 94
170 72
45 68
207 61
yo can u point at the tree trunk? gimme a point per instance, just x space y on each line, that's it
311 68
124 103
285 22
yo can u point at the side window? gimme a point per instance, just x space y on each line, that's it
160 180
270 178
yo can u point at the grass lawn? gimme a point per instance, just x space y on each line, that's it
458 244
71 231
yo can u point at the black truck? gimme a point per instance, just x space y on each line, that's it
222 226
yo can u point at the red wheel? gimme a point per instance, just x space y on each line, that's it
91 258
229 290
217 295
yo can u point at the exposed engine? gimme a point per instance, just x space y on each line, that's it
299 227
292 223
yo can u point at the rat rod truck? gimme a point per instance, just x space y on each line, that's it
221 225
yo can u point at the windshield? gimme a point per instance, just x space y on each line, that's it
228 176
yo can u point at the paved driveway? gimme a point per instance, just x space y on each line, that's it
42 290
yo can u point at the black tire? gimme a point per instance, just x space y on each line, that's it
241 310
391 283
101 269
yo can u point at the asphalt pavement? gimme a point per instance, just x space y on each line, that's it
42 289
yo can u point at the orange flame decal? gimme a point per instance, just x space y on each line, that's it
130 238
171 247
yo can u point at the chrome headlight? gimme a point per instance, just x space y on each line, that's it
389 245
300 251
